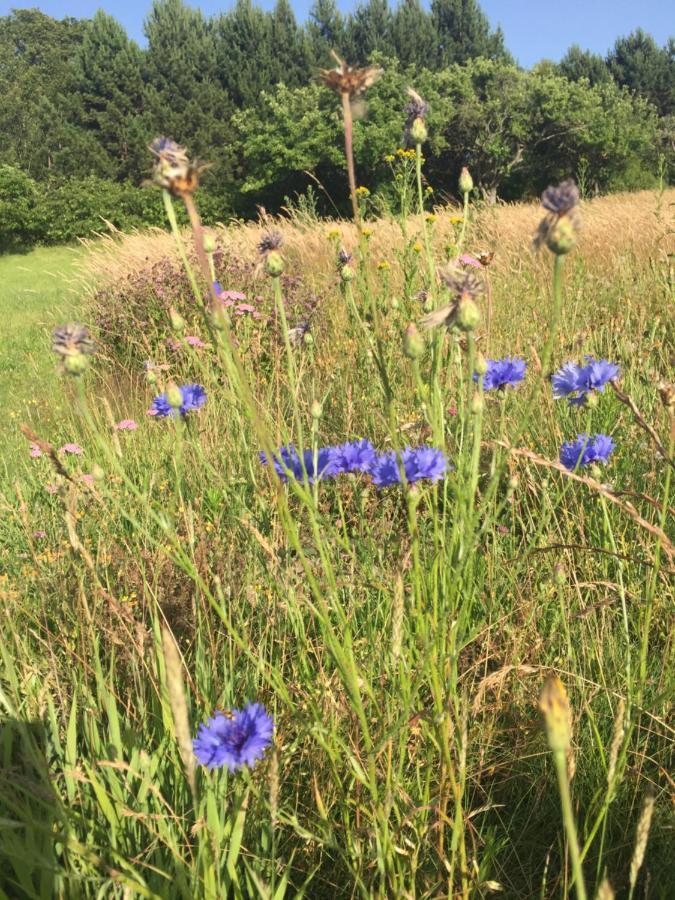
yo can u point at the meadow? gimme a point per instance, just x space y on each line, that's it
466 650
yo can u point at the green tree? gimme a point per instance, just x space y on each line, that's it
369 29
641 65
464 33
326 31
414 37
578 63
111 96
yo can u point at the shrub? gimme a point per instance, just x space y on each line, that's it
20 214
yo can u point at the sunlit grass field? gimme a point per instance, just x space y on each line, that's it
400 637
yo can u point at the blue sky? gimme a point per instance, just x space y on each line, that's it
534 29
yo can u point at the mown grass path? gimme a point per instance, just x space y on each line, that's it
37 290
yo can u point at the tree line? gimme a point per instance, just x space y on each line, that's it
81 101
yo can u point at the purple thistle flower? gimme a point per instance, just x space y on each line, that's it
354 456
503 372
237 740
194 396
586 450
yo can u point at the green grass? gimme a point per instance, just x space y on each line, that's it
401 638
37 291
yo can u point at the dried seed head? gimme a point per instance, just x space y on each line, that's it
463 284
557 711
349 80
641 838
174 170
71 339
273 240
558 229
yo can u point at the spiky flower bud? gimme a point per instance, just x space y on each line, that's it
559 577
558 229
468 315
151 377
347 274
308 339
209 243
317 410
174 395
465 181
562 237
274 264
75 364
418 131
413 342
481 365
477 403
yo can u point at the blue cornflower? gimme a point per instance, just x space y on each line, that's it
418 463
354 456
193 396
288 458
576 382
586 450
503 372
236 740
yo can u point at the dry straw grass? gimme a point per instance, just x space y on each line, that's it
616 228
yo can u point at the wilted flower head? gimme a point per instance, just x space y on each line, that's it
70 339
462 312
586 450
193 397
416 110
234 740
502 373
576 382
296 335
344 257
349 80
173 169
273 240
559 227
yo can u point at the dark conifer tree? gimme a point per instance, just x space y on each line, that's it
326 31
413 35
464 32
641 65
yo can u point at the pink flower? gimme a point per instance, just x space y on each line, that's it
231 295
173 344
195 341
52 488
467 260
502 529
87 479
72 448
244 308
452 410
126 425
39 534
35 451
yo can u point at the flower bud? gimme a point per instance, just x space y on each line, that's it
174 396
347 274
418 131
465 181
209 243
177 321
274 264
559 578
97 472
513 483
555 706
591 400
413 342
75 364
477 403
317 410
151 377
481 365
562 237
394 303
308 339
468 315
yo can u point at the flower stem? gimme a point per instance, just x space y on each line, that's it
349 154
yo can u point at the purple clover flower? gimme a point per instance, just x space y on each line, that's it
586 450
502 373
237 740
576 382
194 396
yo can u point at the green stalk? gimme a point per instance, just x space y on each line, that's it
568 820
